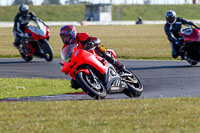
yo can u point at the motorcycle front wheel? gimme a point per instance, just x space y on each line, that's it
135 87
91 86
48 54
193 63
27 58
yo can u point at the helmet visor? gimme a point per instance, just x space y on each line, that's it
24 13
65 39
171 19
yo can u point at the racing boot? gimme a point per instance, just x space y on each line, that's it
183 57
74 84
119 66
16 45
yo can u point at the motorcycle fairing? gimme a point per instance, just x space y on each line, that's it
39 32
113 81
191 46
190 37
86 58
30 47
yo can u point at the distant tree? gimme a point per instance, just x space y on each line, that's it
51 2
18 2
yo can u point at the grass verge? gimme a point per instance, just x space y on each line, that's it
119 12
18 87
129 42
47 12
105 116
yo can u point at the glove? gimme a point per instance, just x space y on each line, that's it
198 27
102 48
26 35
97 41
179 41
89 45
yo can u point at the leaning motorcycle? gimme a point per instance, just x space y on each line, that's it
36 43
96 76
190 49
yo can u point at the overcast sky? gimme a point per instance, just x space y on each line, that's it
38 2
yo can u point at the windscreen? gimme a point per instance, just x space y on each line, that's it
40 29
67 52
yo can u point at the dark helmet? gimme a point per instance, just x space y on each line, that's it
170 16
23 10
68 34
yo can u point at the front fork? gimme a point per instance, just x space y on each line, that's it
24 48
41 48
183 53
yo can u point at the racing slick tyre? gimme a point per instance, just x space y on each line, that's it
91 86
48 54
135 87
27 58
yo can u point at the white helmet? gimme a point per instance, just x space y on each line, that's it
170 16
23 10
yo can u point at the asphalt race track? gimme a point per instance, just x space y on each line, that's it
161 79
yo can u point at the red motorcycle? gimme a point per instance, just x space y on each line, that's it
36 43
190 50
96 76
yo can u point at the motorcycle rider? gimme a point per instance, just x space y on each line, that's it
172 28
69 36
21 21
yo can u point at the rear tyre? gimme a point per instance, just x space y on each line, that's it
92 87
48 54
135 87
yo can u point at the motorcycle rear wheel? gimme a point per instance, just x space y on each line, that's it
48 54
92 87
135 88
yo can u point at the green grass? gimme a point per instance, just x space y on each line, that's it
47 13
107 116
155 12
77 12
17 87
174 115
129 42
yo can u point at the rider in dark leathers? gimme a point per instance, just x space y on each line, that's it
21 21
172 28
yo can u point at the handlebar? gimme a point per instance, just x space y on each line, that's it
189 26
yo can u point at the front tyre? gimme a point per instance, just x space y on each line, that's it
27 58
91 86
193 63
135 87
47 51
